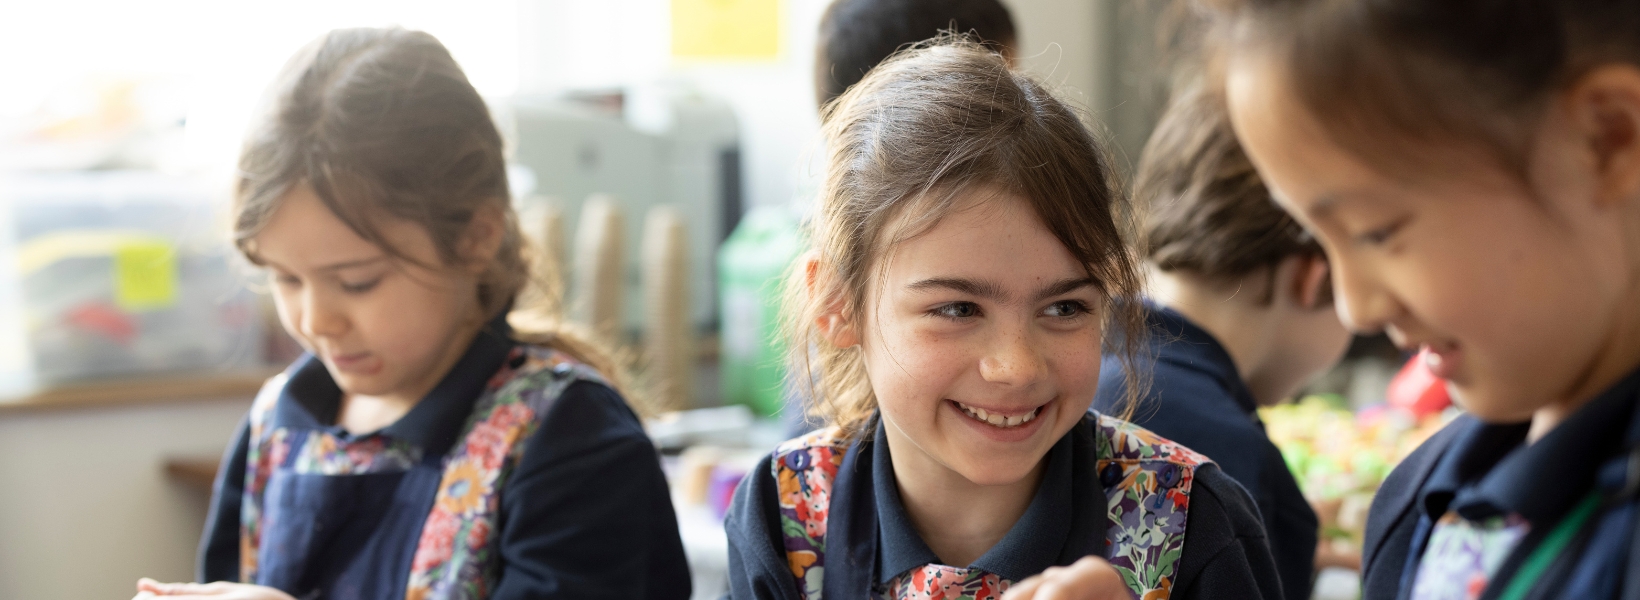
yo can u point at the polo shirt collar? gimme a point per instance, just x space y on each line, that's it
312 400
1195 348
1030 547
1493 472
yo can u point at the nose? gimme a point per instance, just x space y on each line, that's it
320 317
1014 360
1364 306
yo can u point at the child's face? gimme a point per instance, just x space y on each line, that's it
383 327
987 311
1514 293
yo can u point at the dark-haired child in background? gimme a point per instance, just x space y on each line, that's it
855 35
1242 316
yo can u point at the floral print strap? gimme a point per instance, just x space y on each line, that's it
1146 478
456 558
262 454
941 582
803 471
1147 481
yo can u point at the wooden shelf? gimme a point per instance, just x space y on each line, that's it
192 472
156 390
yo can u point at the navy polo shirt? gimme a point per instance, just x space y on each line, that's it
1488 470
870 539
1037 541
1197 398
585 514
312 401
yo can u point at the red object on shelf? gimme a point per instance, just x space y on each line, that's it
1417 390
105 320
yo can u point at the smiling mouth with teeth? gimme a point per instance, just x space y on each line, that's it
996 420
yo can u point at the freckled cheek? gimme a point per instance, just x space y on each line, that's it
1076 371
913 368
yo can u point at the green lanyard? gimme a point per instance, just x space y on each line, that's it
1551 547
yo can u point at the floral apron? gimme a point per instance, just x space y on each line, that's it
1146 479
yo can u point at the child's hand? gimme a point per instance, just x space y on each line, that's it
221 590
1088 579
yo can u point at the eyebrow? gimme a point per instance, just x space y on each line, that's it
1065 286
348 264
982 288
992 291
336 266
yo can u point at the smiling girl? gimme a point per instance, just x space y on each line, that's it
422 448
967 259
1472 170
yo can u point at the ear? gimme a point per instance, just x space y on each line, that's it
831 320
483 237
1311 283
1604 108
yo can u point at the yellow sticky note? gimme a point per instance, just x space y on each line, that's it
145 275
732 29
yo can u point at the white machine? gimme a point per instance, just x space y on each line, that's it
645 146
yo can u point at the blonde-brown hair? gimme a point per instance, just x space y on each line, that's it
1206 210
904 144
383 123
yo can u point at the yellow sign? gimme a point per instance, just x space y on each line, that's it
731 29
145 275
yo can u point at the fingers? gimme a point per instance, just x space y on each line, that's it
1087 579
1024 590
148 588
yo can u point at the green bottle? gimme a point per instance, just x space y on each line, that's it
752 267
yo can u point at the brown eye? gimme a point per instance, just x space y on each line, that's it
957 310
1066 309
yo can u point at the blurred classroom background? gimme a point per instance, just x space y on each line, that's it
663 154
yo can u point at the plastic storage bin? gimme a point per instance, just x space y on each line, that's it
106 274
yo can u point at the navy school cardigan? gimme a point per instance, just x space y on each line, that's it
870 538
583 509
1197 398
1474 467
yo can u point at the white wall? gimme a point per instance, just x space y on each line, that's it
1057 43
85 507
1101 56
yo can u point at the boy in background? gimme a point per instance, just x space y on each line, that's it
855 35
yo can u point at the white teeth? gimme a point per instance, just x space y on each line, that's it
997 420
